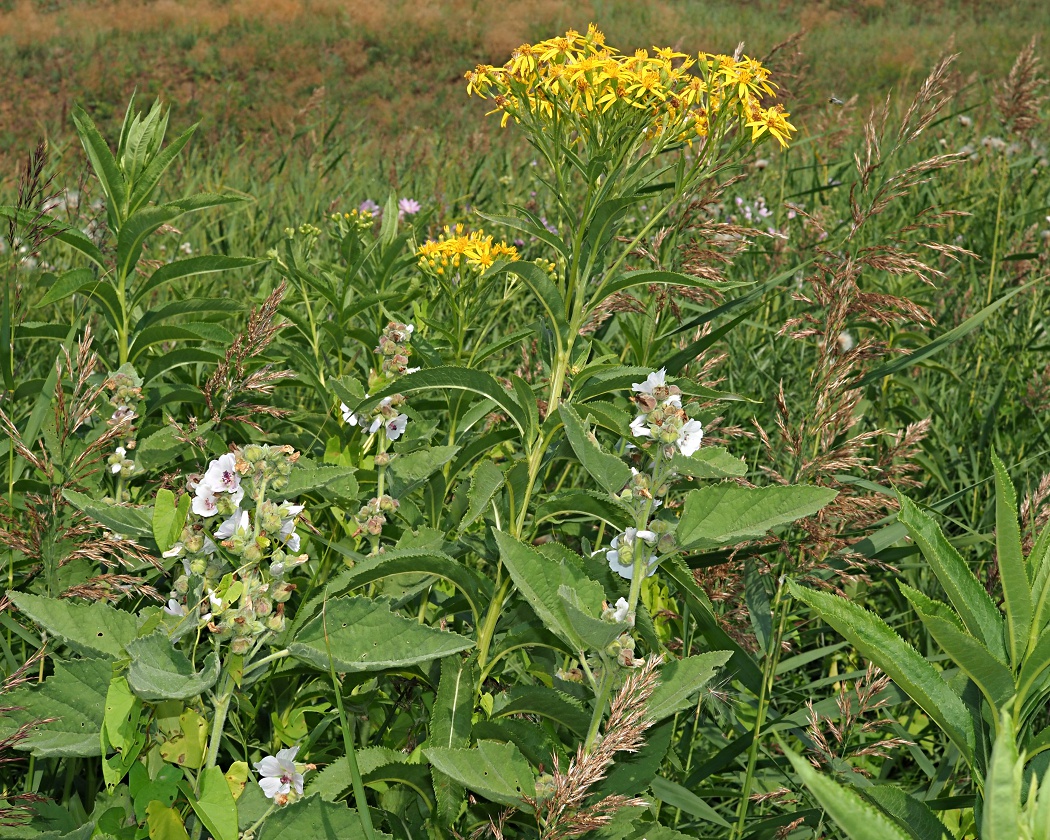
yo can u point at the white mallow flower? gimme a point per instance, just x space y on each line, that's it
238 521
222 477
121 451
288 514
348 416
204 503
395 427
656 379
629 538
175 608
277 774
214 599
640 426
621 610
690 436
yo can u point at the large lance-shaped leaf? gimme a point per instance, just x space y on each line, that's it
911 814
609 471
1017 593
875 640
316 819
160 671
307 477
129 521
75 696
334 781
89 629
681 679
540 580
709 462
498 771
969 597
450 725
1002 789
725 514
859 819
484 484
364 635
543 702
991 676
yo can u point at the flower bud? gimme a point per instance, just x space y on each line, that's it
275 622
240 645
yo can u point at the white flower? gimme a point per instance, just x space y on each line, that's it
411 370
278 774
396 426
114 468
204 503
174 551
640 426
291 538
238 521
690 436
216 601
175 608
222 475
657 379
628 537
348 416
621 610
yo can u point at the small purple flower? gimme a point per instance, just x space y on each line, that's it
369 206
408 207
548 225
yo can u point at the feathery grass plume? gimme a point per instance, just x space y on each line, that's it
1019 96
1035 512
46 529
564 813
822 436
232 377
835 740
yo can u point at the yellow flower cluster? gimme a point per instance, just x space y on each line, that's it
582 76
455 248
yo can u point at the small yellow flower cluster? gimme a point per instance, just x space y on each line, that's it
455 248
581 76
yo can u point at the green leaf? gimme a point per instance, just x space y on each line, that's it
609 471
450 725
681 679
164 823
676 796
911 814
169 518
407 470
334 782
214 804
725 514
1001 815
103 164
1012 571
147 180
89 629
131 522
644 278
586 503
545 291
543 702
539 581
454 378
966 593
160 671
878 642
366 636
314 818
709 462
484 484
75 696
991 676
859 819
307 477
69 283
498 771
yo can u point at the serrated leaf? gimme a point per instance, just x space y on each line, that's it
88 629
407 470
859 819
725 514
543 702
586 503
911 814
306 477
131 522
333 782
160 671
366 636
878 642
709 462
1017 594
316 819
609 471
967 594
497 771
75 695
484 484
681 679
1002 815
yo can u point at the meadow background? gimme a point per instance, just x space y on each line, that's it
845 367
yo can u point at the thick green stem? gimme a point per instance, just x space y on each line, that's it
488 628
600 699
222 707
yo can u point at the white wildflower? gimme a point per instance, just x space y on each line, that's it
278 774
